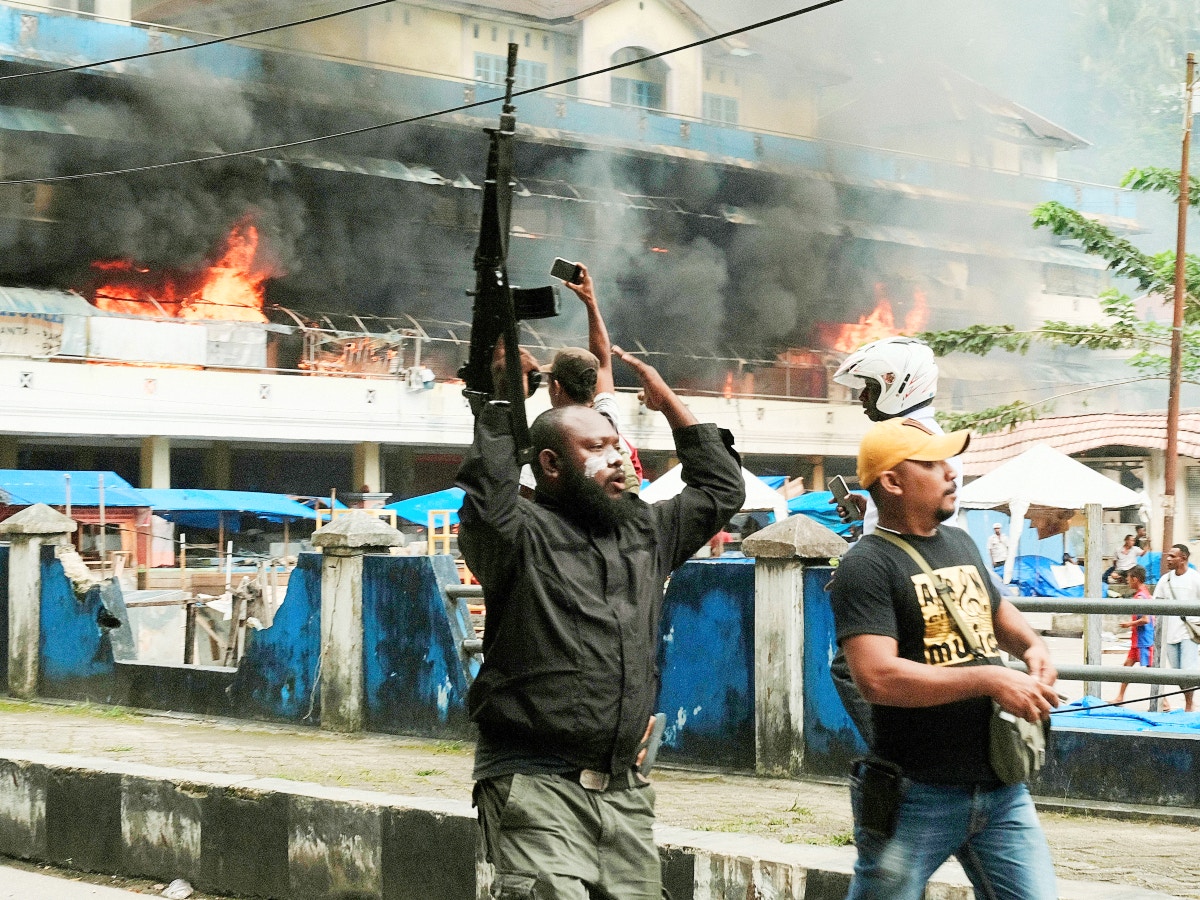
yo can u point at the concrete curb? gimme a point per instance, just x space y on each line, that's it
299 841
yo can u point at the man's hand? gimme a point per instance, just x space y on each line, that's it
656 393
584 289
1041 669
852 515
644 743
1021 694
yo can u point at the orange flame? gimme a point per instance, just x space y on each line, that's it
231 289
880 322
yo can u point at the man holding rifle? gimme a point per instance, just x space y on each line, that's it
573 581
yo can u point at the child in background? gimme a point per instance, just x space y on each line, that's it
1141 627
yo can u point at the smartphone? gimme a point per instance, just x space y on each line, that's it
841 493
566 270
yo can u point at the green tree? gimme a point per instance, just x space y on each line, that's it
1121 329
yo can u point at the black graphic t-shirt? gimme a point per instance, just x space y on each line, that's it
879 589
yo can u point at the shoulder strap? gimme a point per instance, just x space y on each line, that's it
944 591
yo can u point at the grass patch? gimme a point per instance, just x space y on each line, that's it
428 773
457 748
840 839
118 750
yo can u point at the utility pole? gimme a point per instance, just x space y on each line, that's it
1171 463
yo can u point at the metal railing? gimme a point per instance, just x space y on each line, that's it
1091 672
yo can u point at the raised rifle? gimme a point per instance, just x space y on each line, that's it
499 306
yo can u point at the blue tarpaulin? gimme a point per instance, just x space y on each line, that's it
774 482
202 508
416 509
816 505
25 487
1121 718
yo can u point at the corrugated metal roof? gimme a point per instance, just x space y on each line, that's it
1078 434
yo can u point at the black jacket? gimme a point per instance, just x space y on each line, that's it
571 634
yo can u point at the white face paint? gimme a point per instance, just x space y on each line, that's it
594 464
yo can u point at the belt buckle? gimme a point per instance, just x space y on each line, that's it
592 780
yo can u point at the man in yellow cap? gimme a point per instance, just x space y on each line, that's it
928 790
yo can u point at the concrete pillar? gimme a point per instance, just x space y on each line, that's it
218 467
27 532
344 544
818 475
8 451
156 463
366 470
781 553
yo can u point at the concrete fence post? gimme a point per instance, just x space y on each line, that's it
27 532
781 553
343 544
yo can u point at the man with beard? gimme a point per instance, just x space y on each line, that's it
573 581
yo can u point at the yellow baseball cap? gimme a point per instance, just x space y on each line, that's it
892 441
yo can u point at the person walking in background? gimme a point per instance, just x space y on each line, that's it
997 547
1180 584
1141 628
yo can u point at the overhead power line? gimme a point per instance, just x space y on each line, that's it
774 20
198 44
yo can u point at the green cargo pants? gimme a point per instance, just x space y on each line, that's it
548 838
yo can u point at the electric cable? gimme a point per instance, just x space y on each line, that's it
206 43
774 20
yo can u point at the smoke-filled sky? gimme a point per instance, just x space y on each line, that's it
359 243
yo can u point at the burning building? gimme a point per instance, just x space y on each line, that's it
746 256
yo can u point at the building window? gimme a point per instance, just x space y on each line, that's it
528 39
545 42
491 69
496 33
718 108
1072 281
643 84
475 30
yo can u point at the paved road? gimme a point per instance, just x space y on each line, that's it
18 884
1157 855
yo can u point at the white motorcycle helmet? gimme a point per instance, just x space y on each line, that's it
903 367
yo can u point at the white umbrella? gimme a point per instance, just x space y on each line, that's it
758 495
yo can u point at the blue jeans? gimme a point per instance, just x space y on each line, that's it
995 835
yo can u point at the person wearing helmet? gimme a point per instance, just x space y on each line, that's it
892 377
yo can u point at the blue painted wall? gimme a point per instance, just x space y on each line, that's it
275 677
414 683
831 740
706 658
4 619
1122 767
76 654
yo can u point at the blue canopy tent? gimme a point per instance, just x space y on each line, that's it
416 509
198 508
25 487
816 505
